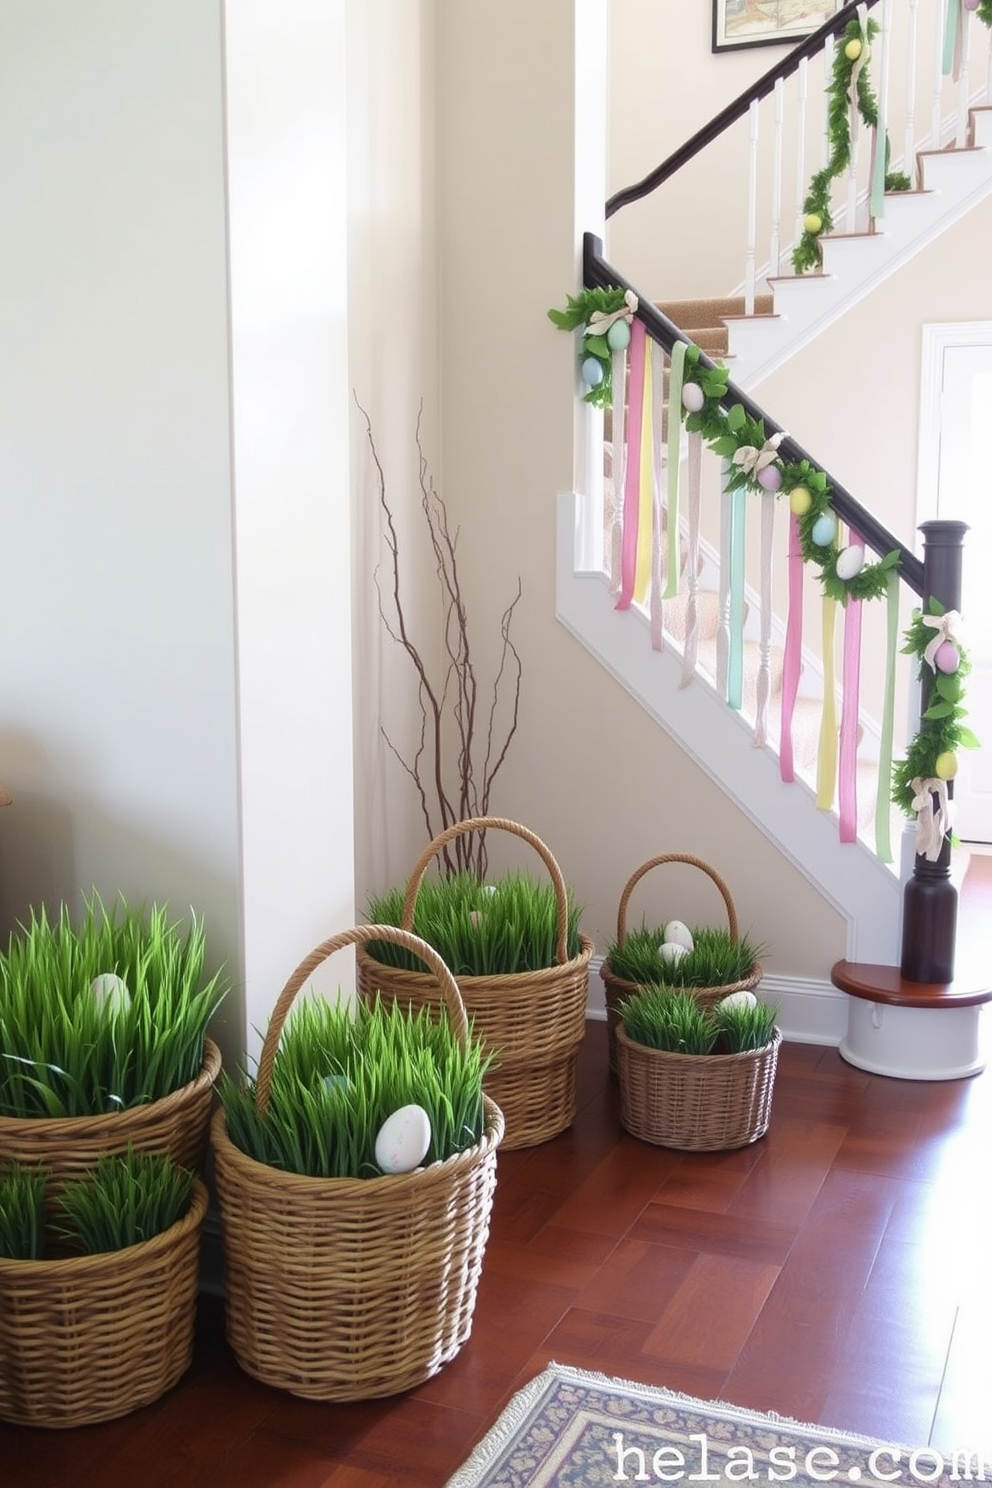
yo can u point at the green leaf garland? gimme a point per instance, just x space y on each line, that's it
817 216
579 310
942 729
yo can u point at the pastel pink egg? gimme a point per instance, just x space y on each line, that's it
947 657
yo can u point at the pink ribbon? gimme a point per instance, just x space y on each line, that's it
792 661
632 470
847 775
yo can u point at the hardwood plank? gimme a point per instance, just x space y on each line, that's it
713 1311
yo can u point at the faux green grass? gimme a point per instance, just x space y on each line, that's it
61 1052
714 961
22 1212
126 1199
339 1071
658 1017
495 929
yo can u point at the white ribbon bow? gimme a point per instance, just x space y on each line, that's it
600 320
932 823
752 460
947 628
856 70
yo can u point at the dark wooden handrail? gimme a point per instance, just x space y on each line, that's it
736 110
598 273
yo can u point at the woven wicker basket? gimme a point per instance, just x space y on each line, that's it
89 1338
696 1102
618 990
532 1022
349 1288
68 1146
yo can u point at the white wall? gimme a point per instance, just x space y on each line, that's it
175 664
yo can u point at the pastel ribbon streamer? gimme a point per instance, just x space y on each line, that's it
657 419
849 716
826 764
764 678
933 822
876 204
600 321
675 376
947 628
792 660
883 798
694 471
619 442
735 660
645 487
952 38
632 470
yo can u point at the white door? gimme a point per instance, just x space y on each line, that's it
964 493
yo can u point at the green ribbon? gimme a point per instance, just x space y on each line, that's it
883 789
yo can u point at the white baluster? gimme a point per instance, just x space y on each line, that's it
961 134
723 622
909 139
775 252
938 76
802 88
881 133
752 208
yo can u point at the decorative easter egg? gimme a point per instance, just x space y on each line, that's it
945 766
403 1140
618 336
800 500
813 223
770 477
475 918
738 999
850 562
971 4
110 992
693 397
487 889
671 952
678 934
823 529
592 372
336 1082
947 657
852 50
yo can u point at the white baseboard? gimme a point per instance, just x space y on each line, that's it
811 1012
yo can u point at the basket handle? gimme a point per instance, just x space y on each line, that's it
484 824
451 996
693 862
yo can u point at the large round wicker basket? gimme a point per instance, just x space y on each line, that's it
89 1338
695 1102
617 989
177 1126
532 1022
350 1289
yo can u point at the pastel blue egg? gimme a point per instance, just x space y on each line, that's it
823 529
618 336
592 372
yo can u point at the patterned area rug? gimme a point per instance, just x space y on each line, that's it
570 1429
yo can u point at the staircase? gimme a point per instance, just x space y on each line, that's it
755 331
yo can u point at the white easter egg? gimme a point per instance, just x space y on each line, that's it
110 992
850 561
678 934
672 952
336 1082
693 397
739 999
403 1140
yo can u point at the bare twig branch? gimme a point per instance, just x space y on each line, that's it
455 697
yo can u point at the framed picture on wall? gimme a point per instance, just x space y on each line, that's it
745 23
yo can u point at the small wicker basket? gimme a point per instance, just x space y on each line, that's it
617 989
177 1126
351 1288
532 1022
89 1338
696 1102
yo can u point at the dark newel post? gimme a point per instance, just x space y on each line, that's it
930 900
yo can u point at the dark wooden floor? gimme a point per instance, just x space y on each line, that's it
836 1271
